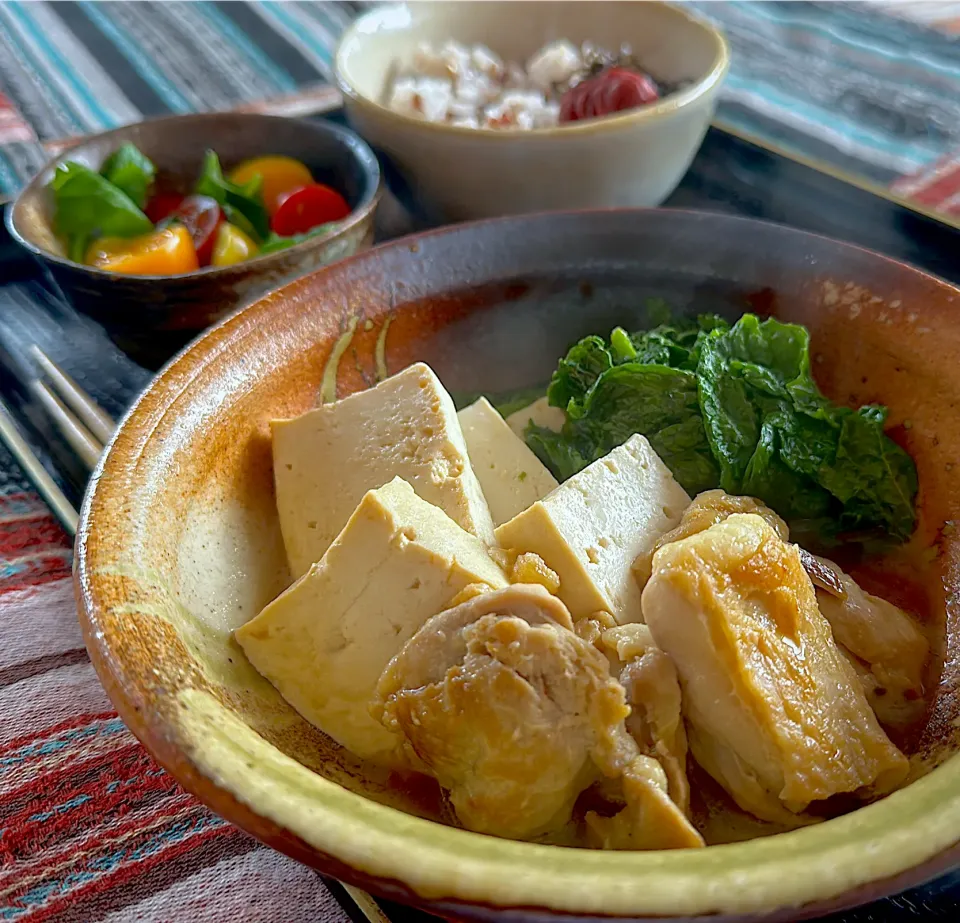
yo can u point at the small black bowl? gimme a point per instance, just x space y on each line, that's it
151 317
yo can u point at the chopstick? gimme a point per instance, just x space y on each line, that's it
366 904
84 425
87 428
91 415
81 440
33 468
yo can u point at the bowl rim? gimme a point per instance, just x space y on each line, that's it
472 875
361 152
663 108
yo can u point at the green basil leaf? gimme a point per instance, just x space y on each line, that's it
130 170
246 199
87 204
275 242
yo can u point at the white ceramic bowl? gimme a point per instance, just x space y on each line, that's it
634 158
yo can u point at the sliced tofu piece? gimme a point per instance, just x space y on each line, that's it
592 527
325 641
773 709
540 413
325 460
511 476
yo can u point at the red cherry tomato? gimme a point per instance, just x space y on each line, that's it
201 216
162 205
303 209
612 90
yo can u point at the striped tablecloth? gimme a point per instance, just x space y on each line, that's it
90 828
869 88
73 68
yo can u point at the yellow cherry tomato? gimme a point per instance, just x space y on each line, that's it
166 252
231 246
280 176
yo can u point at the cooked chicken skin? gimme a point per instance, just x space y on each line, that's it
503 704
707 509
592 628
653 693
650 820
887 649
774 710
515 714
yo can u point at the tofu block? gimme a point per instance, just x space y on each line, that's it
540 413
593 526
325 641
511 476
325 460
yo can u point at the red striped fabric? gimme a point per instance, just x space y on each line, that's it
13 126
90 827
936 187
33 547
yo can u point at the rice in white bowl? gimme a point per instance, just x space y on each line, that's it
472 87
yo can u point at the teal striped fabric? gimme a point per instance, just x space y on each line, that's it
80 67
841 82
838 82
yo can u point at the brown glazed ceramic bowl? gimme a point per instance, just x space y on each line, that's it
179 544
151 317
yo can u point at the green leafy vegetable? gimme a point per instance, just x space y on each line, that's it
871 475
86 205
246 199
734 407
275 242
77 247
673 345
558 451
638 383
659 402
779 439
130 171
505 402
238 219
622 346
578 373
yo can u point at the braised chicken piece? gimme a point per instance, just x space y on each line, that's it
515 715
653 693
502 703
650 818
774 710
591 629
707 509
885 646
